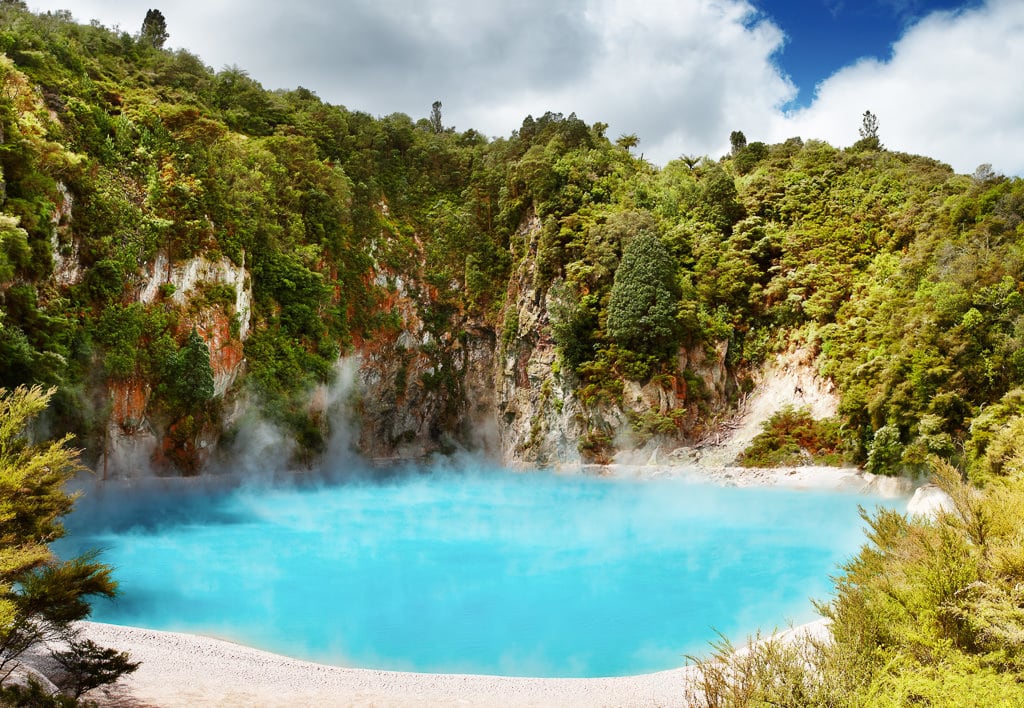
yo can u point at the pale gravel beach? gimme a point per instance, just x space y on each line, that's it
809 477
189 670
181 670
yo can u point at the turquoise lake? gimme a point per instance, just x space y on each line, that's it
475 571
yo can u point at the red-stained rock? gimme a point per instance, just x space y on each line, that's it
129 399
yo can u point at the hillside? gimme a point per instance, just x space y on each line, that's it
183 253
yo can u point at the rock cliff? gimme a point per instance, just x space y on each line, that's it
421 387
505 393
137 438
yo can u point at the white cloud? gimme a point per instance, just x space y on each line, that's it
952 90
682 76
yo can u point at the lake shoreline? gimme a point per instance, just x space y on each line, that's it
181 670
809 477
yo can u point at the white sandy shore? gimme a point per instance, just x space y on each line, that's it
188 670
808 477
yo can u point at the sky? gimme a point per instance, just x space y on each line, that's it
942 76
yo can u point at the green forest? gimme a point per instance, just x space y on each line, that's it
905 279
904 276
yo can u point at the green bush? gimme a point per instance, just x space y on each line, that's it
645 299
188 378
927 613
886 451
794 437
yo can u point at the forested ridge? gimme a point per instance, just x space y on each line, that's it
903 276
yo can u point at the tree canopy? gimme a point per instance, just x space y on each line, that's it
645 299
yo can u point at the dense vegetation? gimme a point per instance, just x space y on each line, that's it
794 437
929 613
905 276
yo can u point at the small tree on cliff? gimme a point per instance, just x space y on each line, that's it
645 299
40 596
196 374
868 132
189 376
435 118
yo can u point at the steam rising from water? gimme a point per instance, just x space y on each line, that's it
469 568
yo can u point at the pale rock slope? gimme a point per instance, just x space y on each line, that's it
790 380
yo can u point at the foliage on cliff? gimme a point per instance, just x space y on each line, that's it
905 276
794 437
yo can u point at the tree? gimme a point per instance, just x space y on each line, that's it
154 29
738 141
645 299
42 597
190 375
746 159
85 665
627 142
719 203
868 132
572 323
691 160
435 118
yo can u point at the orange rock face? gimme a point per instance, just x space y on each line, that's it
226 353
129 400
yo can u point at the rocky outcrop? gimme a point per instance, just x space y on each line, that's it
67 268
178 281
540 420
789 379
426 383
419 391
130 442
542 417
929 501
134 442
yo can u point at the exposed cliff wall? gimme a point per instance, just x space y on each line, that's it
540 419
425 384
424 388
65 250
545 418
138 438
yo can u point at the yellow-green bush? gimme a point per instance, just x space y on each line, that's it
930 612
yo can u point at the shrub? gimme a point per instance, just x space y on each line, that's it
793 437
41 597
645 299
928 613
885 452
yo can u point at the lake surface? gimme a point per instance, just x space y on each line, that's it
474 571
